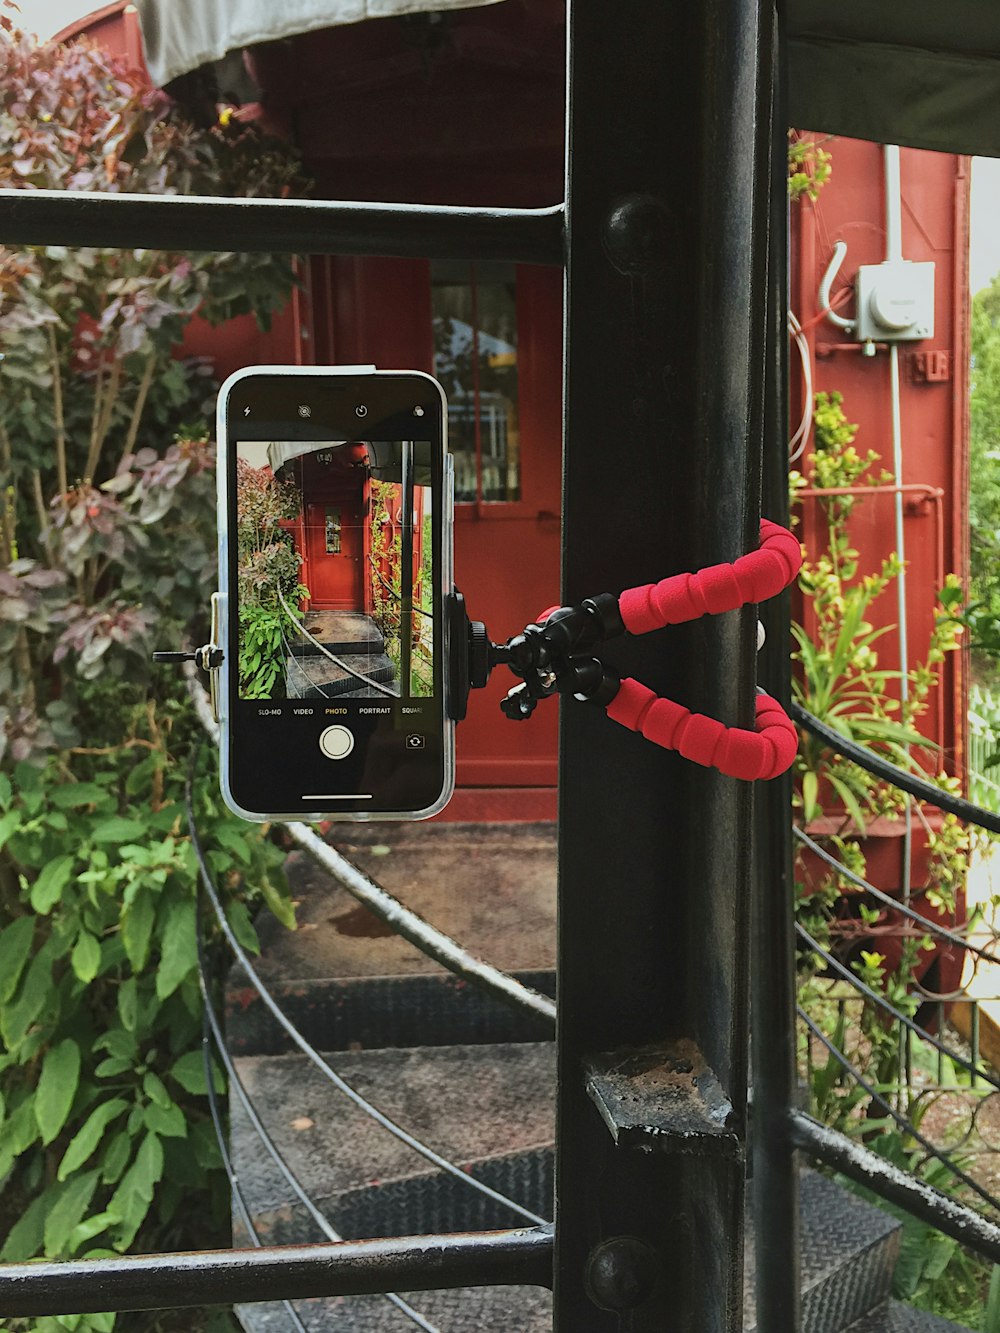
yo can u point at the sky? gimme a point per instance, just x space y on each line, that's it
46 17
984 222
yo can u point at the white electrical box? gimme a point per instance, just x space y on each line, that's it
895 301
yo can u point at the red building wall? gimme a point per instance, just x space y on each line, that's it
933 388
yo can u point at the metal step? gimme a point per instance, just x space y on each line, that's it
476 1310
894 1317
339 632
316 677
347 981
849 1250
490 1110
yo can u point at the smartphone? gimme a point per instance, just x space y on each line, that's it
335 558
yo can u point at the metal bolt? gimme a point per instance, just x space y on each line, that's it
639 235
621 1273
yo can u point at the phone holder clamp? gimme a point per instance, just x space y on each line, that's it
555 655
209 657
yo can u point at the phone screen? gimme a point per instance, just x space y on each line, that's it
335 553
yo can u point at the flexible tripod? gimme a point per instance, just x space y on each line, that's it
555 655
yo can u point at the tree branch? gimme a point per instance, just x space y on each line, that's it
139 405
62 472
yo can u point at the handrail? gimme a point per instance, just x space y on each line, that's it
515 1257
890 1182
882 768
897 905
298 226
403 920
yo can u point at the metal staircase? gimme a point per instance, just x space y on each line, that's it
465 1074
341 651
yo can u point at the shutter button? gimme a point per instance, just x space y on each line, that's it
336 742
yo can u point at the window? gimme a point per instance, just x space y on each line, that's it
475 357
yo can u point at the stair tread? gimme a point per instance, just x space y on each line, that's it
469 1310
470 1103
895 1317
317 677
339 632
838 1232
491 1111
493 889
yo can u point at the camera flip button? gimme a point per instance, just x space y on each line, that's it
336 742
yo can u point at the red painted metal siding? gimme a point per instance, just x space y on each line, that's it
933 387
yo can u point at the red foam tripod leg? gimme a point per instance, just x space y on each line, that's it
749 755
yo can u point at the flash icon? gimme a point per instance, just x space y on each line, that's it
246 411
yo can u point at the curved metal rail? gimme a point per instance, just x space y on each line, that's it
898 777
340 1083
211 1025
930 927
438 946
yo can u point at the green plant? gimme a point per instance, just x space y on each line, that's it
839 678
268 575
809 167
107 519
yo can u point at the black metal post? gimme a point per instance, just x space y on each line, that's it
666 275
775 1175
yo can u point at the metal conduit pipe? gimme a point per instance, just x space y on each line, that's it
894 253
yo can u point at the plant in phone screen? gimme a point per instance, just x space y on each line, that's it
267 564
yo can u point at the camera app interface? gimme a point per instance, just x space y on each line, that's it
334 570
335 668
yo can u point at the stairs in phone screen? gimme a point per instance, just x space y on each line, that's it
467 1075
355 640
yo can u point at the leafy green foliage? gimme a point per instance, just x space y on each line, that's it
268 566
107 519
809 167
840 679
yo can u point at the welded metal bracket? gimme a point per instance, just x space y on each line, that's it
664 1099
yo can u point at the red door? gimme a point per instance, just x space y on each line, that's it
334 550
499 332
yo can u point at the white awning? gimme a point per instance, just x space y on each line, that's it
181 35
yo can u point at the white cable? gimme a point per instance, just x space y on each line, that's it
799 441
832 269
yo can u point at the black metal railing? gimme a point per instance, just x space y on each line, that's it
905 1099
